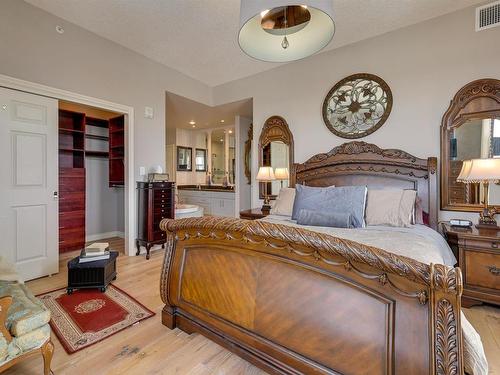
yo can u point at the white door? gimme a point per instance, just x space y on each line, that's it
28 182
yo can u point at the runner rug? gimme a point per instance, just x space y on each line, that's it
88 316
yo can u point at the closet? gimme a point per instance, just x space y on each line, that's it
85 143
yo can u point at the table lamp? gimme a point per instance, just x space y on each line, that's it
281 174
482 171
266 174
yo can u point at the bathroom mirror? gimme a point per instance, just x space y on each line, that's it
470 130
200 160
218 155
232 157
184 158
276 151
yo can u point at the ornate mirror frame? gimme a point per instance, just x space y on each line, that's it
248 155
477 99
275 129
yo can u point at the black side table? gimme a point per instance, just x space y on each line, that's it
96 274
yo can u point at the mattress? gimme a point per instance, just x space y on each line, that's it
420 243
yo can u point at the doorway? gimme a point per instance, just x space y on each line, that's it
55 94
91 175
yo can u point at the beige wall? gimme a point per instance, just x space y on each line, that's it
424 65
85 63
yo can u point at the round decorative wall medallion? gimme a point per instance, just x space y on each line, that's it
357 105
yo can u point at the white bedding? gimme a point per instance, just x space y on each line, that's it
418 242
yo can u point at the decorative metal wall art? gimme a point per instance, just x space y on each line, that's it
357 105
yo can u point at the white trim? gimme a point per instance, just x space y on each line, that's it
100 236
52 92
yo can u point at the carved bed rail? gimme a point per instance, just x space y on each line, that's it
294 301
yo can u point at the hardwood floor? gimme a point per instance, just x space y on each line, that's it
150 348
145 348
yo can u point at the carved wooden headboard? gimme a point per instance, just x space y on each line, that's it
361 163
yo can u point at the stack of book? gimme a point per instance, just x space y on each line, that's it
95 251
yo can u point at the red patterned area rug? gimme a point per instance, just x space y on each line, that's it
88 316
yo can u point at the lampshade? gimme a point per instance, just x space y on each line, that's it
265 174
285 30
464 172
480 170
281 173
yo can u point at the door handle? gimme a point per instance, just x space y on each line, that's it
55 195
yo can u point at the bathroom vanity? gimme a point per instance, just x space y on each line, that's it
216 200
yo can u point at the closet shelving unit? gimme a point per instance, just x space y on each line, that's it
92 121
116 151
72 152
71 180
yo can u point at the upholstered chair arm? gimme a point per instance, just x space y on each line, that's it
5 303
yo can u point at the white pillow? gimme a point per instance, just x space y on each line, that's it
390 207
283 204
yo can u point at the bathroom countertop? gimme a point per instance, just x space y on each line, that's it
220 188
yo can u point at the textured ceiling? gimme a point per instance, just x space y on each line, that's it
199 37
181 110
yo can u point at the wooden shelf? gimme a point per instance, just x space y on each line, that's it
71 150
116 151
100 123
64 130
97 137
100 154
71 180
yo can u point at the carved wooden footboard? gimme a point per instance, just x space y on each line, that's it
293 301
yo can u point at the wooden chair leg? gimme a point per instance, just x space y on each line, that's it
47 353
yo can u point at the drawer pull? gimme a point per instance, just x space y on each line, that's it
494 245
494 270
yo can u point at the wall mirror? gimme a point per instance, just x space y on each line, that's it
276 151
200 160
232 156
218 155
470 129
184 158
248 155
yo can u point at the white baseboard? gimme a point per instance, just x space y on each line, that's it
100 236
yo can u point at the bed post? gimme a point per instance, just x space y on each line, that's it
168 312
446 334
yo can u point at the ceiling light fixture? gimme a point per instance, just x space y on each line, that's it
230 132
281 31
192 122
222 121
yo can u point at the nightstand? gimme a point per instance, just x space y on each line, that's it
253 214
478 253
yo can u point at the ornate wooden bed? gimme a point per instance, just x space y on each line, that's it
293 301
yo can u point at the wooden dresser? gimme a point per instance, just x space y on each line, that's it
156 202
479 258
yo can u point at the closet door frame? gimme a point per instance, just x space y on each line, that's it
55 93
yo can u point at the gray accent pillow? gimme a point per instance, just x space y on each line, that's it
347 199
322 219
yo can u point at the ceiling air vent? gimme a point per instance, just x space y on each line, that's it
488 16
